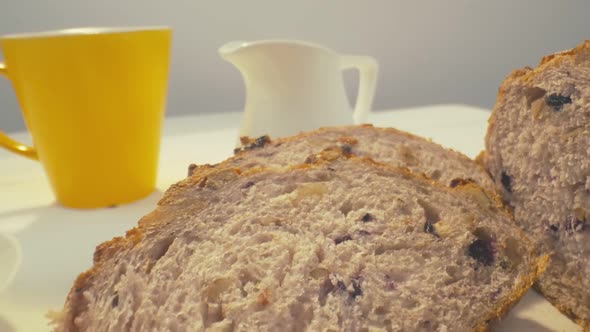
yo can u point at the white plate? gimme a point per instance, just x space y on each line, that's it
58 243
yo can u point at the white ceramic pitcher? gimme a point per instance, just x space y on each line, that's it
294 86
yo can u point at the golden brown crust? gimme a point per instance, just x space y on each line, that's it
132 237
524 284
553 60
481 158
348 140
106 250
559 56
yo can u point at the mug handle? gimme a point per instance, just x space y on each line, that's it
10 144
368 70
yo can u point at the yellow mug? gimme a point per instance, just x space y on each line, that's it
93 100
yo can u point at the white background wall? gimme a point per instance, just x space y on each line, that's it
429 51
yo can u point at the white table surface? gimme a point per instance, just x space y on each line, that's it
58 243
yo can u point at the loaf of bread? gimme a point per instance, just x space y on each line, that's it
386 145
338 244
538 152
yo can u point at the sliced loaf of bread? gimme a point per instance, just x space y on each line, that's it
339 244
386 145
538 152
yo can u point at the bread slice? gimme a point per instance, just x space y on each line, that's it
335 245
538 151
386 145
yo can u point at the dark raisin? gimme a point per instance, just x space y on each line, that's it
258 143
426 325
554 228
455 182
248 184
341 239
429 228
482 251
507 182
573 225
115 301
78 290
390 283
191 169
460 182
356 288
367 217
341 286
347 149
331 169
556 101
362 232
504 263
495 294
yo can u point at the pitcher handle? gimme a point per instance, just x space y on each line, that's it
368 71
10 144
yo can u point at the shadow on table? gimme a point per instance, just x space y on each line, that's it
519 324
5 326
514 322
59 243
26 217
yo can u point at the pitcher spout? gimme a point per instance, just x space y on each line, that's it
231 49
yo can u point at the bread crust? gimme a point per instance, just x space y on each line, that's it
527 74
107 250
512 299
524 76
393 131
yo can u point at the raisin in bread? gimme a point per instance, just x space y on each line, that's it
386 145
336 245
538 152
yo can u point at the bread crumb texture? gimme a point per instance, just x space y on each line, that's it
344 244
